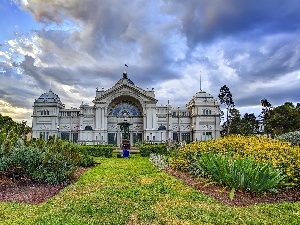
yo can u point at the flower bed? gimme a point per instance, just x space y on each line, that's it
281 155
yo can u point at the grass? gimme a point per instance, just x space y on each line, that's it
133 191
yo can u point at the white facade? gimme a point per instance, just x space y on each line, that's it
124 101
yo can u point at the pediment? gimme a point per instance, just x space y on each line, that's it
124 89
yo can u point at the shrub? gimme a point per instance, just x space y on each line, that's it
159 161
243 174
292 137
147 149
53 162
281 155
98 150
85 160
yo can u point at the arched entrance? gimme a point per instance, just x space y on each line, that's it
125 109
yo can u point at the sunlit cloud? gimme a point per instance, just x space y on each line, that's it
81 45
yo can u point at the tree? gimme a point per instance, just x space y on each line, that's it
249 124
265 114
283 119
225 98
234 121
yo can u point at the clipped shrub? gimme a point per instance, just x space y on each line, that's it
281 155
243 174
147 149
98 150
85 160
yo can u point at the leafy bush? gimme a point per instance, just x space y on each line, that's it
147 149
281 155
98 150
54 164
292 137
243 174
159 161
53 161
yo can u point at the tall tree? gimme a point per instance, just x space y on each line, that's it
265 114
234 121
249 124
225 98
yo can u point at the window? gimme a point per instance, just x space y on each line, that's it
124 108
207 136
206 112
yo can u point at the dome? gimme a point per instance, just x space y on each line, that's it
125 79
49 97
203 94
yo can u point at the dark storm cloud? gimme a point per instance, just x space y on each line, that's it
275 97
3 93
268 59
18 96
206 20
28 67
108 30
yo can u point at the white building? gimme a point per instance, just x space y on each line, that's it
96 124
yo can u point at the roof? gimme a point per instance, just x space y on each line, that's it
203 94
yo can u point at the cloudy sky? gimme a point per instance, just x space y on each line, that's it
252 46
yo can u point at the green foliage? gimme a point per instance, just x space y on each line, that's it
53 164
86 160
243 174
147 149
248 125
53 161
97 150
282 119
225 98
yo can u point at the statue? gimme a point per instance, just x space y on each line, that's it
125 74
125 128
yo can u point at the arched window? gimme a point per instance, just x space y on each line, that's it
124 108
88 128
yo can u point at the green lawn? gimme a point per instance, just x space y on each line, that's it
132 191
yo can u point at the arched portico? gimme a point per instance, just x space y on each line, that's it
124 108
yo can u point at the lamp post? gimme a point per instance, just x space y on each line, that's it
192 133
178 123
168 122
57 127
